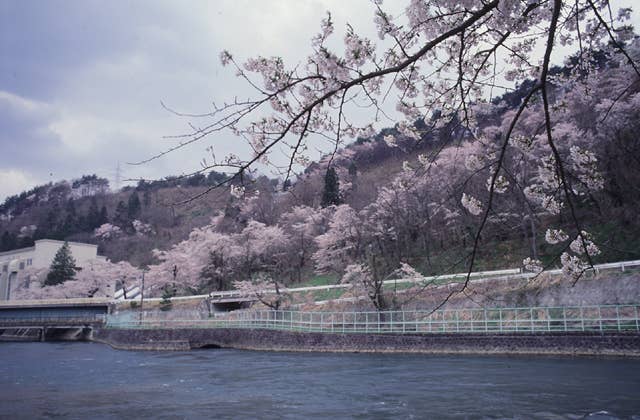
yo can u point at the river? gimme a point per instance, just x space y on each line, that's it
88 380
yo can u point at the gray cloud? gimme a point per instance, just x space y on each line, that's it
81 80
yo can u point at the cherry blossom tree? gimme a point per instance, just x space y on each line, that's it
107 231
302 225
96 279
268 291
184 262
438 62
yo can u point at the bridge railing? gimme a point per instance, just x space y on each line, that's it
605 318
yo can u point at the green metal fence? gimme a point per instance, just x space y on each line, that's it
494 320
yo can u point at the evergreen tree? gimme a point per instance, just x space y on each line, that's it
62 268
8 242
167 293
104 217
93 215
146 197
26 242
71 207
121 217
331 191
133 208
50 226
70 224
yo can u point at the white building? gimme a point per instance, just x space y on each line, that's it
39 256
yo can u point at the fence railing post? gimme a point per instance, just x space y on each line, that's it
564 318
444 321
618 318
486 321
636 312
531 318
548 319
500 315
600 318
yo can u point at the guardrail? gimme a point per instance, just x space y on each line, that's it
62 320
604 318
477 276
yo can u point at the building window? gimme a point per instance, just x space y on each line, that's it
29 261
5 268
21 265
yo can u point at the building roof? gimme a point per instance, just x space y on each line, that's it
32 248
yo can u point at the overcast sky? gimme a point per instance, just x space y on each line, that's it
81 81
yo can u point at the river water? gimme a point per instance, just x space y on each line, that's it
88 380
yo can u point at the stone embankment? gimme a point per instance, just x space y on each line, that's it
582 343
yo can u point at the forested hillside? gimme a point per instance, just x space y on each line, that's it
126 224
402 201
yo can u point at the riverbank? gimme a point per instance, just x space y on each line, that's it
548 343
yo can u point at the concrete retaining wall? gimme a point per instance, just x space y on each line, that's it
615 344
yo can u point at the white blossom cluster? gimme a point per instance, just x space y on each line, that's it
225 57
357 49
367 131
26 231
107 231
578 247
572 266
533 265
385 25
472 204
326 29
500 185
408 130
584 164
142 229
390 140
551 205
555 236
237 191
474 163
523 143
547 173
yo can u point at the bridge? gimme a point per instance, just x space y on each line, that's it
62 319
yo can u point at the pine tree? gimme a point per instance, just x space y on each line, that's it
146 197
104 216
167 293
8 241
62 268
93 215
133 207
331 191
121 217
69 225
